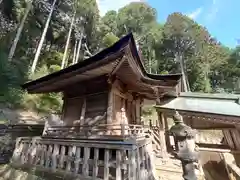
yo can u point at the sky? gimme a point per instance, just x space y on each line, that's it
220 17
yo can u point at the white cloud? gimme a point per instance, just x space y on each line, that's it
106 5
195 13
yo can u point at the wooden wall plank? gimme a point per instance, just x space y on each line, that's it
72 110
96 105
92 86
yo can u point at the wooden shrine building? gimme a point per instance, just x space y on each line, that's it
102 85
101 136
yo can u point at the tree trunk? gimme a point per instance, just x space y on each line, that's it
87 50
68 40
74 52
42 38
19 31
79 48
150 61
180 60
69 57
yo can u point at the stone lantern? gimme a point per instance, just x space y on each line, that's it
185 146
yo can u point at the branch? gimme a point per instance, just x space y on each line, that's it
87 50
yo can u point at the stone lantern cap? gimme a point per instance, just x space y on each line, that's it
180 129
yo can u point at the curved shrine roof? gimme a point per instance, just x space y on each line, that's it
103 63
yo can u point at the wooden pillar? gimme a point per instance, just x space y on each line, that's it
235 136
167 137
138 111
162 128
133 112
83 111
110 106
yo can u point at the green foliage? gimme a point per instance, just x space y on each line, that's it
51 102
134 17
42 102
110 22
11 78
140 19
51 57
147 111
109 39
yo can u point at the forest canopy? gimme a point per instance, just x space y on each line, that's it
38 37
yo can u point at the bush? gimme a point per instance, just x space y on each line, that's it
46 103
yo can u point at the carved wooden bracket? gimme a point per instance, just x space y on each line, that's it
156 91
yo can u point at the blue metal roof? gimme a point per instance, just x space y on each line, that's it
221 104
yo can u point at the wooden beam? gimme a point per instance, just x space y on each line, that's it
118 65
212 128
63 78
216 146
222 119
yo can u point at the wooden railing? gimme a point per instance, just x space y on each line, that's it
155 136
226 156
232 169
101 131
86 159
